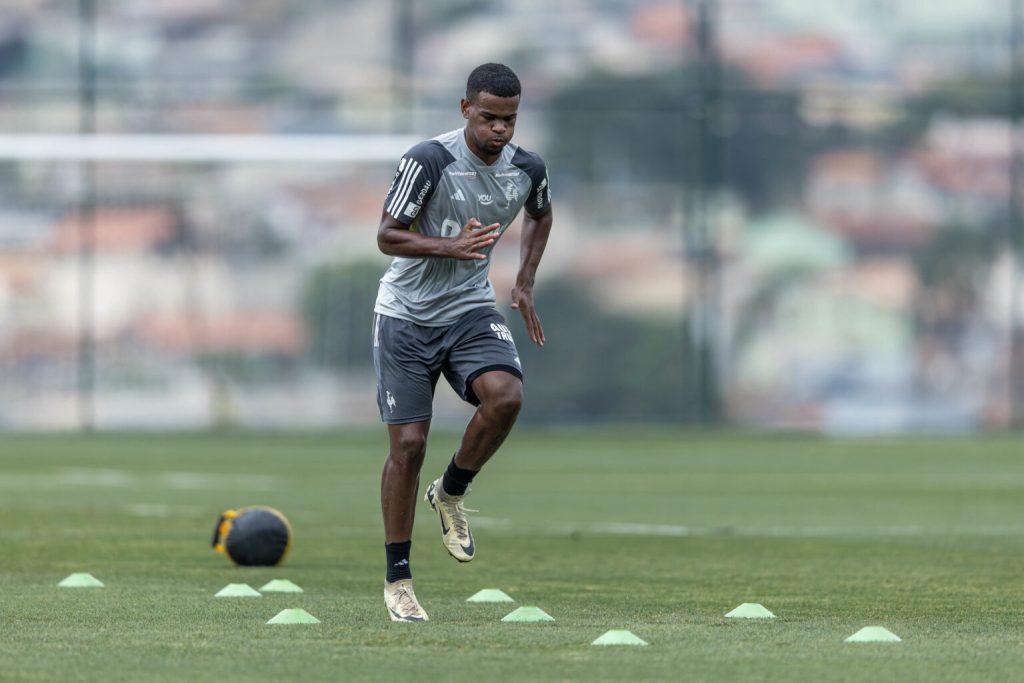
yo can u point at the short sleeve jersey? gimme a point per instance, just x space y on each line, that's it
440 184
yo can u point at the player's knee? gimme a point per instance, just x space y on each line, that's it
409 448
506 402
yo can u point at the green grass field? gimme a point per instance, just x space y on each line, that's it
658 532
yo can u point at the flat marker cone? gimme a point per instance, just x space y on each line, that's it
294 616
873 634
750 610
528 614
280 586
619 638
238 590
490 595
80 580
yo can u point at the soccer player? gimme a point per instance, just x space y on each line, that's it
449 203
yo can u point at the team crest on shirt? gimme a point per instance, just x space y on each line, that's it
511 192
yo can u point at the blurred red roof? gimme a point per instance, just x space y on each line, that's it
265 332
118 229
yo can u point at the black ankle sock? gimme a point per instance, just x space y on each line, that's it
398 560
457 480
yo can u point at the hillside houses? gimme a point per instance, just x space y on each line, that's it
198 271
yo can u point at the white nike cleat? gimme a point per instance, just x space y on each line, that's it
455 533
402 603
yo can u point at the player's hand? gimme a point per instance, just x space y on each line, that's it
522 301
472 239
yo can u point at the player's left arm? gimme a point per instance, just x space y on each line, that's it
536 228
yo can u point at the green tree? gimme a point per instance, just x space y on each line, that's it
951 269
977 96
609 128
337 303
597 365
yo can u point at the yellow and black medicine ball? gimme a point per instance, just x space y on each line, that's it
257 536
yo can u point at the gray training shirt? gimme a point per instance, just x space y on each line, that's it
440 184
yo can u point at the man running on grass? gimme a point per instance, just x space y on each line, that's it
450 202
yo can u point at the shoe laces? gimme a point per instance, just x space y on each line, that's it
406 601
458 511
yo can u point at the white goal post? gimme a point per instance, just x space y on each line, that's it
205 148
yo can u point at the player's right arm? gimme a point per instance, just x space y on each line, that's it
394 238
418 175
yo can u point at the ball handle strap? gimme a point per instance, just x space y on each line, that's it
223 528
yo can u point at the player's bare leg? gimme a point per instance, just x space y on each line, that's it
501 396
399 485
400 479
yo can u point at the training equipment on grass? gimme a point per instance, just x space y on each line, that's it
528 614
238 590
280 586
490 595
874 634
80 580
294 616
619 638
750 610
257 536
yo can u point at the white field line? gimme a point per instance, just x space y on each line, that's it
679 531
112 478
199 481
161 510
94 477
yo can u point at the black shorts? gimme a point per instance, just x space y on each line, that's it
409 358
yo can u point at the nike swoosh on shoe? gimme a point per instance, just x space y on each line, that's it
468 549
401 618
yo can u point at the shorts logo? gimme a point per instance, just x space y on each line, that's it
502 332
391 401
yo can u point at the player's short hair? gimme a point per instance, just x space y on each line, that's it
497 79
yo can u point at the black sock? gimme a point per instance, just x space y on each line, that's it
398 560
457 480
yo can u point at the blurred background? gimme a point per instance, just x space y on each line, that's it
772 213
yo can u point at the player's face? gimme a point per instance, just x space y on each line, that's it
491 122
